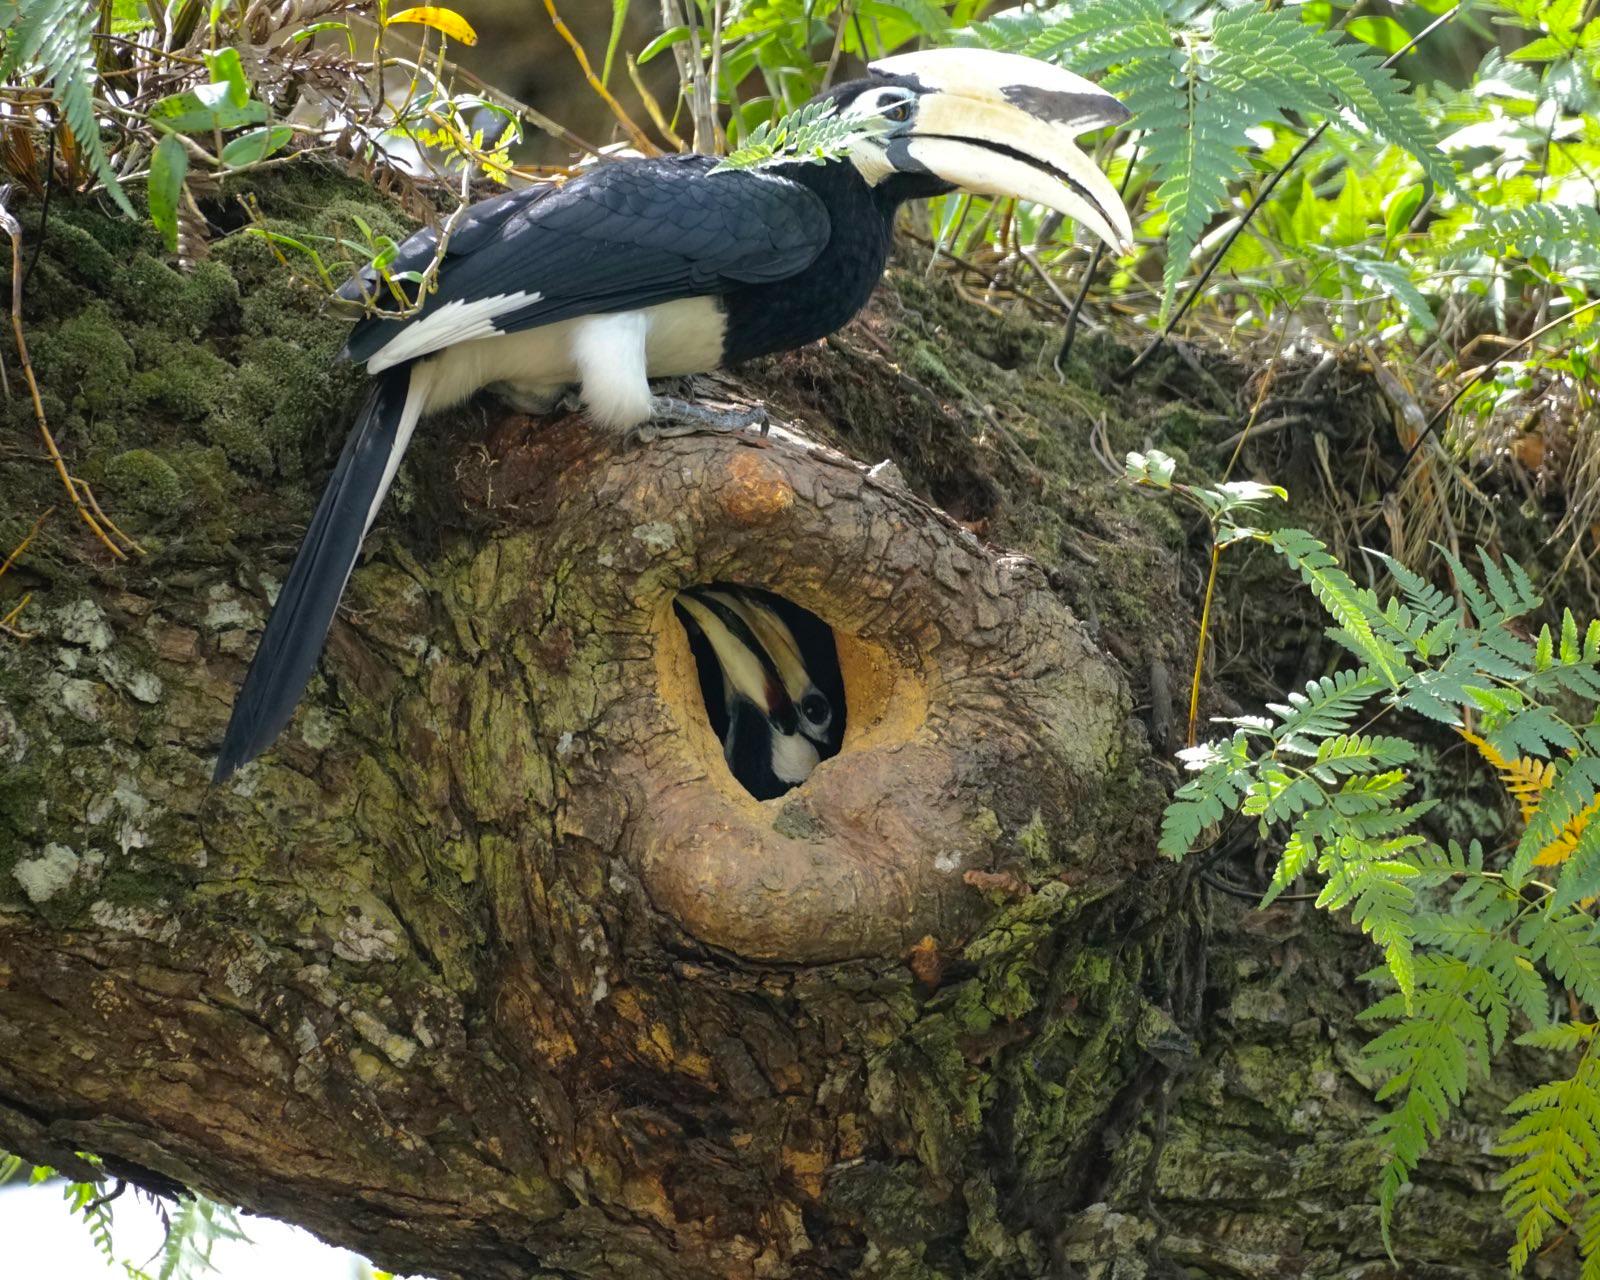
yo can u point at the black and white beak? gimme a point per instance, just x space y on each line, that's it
995 124
763 743
814 707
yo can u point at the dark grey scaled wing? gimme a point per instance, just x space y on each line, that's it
629 234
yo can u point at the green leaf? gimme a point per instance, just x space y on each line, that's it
167 170
1402 206
205 108
1567 945
1554 1148
1428 1057
226 69
664 41
1572 792
257 145
1354 609
1154 468
1380 33
619 16
1544 649
813 134
1544 49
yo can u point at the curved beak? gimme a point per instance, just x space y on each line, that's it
747 668
774 636
1001 124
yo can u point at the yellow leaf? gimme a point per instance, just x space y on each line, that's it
1527 780
446 20
1560 849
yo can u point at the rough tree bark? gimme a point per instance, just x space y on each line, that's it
491 969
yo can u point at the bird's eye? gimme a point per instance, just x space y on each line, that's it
814 707
898 111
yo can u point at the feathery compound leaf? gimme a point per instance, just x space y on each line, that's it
1578 850
811 135
1571 793
1565 236
1589 1235
1568 946
1305 68
1205 799
1554 1149
1526 779
1327 707
1420 594
1428 1058
1086 37
1354 609
1370 880
56 35
1195 133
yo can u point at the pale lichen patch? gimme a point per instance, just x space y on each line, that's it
51 873
141 922
364 940
81 698
658 536
397 1048
316 728
140 685
226 611
82 622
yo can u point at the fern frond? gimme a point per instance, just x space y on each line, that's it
1572 792
56 36
1535 731
1328 706
1304 68
1525 779
1195 133
1589 1234
1370 880
1578 851
812 135
1567 945
1567 237
1428 1057
1553 1148
1218 788
1353 608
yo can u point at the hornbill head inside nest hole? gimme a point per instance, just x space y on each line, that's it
663 267
769 671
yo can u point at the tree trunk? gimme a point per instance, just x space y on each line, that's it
491 969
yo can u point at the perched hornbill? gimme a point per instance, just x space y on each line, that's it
660 267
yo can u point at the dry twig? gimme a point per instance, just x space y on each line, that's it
76 489
636 135
22 546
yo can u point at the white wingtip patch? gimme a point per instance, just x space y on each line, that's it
458 321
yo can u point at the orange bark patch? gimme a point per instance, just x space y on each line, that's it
757 491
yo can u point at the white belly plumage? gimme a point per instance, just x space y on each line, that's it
611 357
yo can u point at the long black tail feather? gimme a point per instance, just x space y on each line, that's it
298 625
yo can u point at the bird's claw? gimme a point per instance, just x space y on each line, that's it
675 417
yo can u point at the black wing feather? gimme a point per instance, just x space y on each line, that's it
628 234
303 612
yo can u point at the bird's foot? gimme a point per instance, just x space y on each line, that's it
675 417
